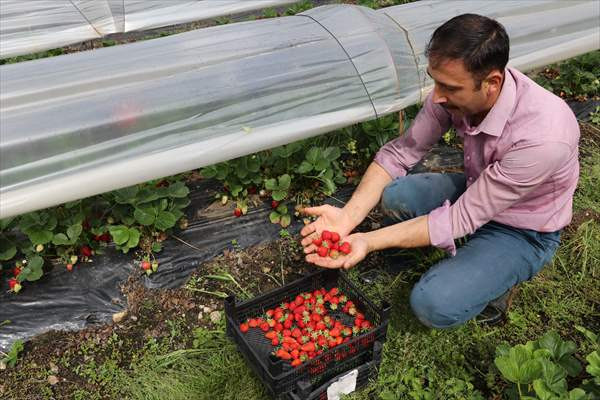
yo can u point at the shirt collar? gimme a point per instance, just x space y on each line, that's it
494 122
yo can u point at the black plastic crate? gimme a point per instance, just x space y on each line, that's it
365 373
278 375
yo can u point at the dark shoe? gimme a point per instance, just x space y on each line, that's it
495 312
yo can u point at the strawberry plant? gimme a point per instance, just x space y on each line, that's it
281 215
576 78
279 187
77 230
142 210
539 369
320 163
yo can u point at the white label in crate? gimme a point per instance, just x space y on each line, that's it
344 385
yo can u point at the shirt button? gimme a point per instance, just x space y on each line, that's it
471 179
468 158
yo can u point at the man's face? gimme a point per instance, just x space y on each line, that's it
455 89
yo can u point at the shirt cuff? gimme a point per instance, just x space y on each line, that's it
387 163
440 228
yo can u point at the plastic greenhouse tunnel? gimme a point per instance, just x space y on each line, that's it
85 123
35 25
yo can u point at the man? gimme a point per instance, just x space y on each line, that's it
521 169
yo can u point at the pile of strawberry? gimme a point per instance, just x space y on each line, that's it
329 245
302 329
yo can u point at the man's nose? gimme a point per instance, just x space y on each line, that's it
437 97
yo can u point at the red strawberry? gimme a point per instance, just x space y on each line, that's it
326 235
308 347
264 327
284 355
322 251
345 248
69 267
318 242
299 300
335 237
334 332
274 204
146 265
237 212
296 333
86 251
296 362
252 323
14 285
16 271
105 237
244 327
275 341
252 190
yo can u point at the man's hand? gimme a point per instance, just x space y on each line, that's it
360 249
329 218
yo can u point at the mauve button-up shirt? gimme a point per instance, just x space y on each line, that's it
521 162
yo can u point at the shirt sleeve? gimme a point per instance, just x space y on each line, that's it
399 155
502 184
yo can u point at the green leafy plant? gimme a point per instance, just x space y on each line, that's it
10 359
539 369
279 187
576 78
144 209
281 216
595 116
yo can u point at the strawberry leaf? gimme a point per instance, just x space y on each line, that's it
60 239
7 250
275 217
39 236
165 220
134 238
286 220
178 190
145 216
119 233
74 231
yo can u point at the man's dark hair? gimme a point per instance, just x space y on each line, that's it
480 42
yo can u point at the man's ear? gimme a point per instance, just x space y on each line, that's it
492 84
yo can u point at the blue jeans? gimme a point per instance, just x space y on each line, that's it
495 258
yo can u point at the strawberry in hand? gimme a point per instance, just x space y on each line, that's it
353 250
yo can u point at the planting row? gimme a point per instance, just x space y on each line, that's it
142 216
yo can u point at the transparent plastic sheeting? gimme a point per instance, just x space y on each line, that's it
85 123
28 26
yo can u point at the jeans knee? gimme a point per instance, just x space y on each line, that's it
433 307
393 205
